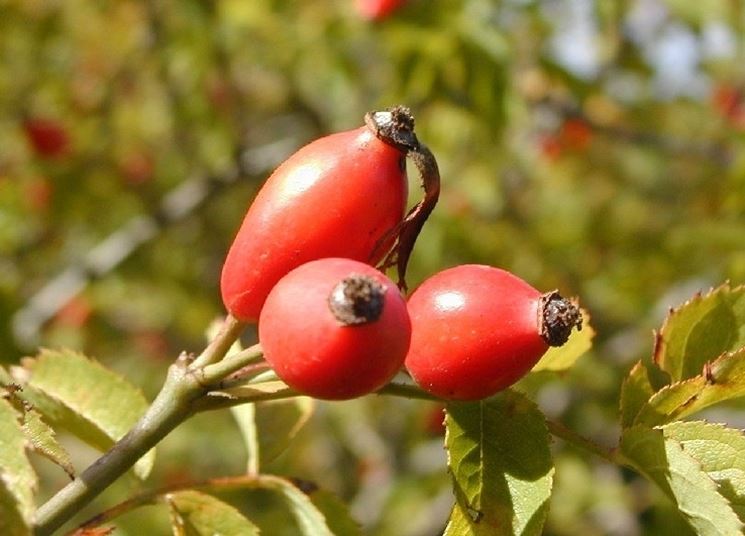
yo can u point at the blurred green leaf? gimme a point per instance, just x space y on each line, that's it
700 330
338 518
42 439
17 477
499 457
77 393
197 514
636 390
559 358
723 379
268 428
721 453
309 518
680 476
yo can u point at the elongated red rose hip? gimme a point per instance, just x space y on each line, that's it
477 330
343 195
335 329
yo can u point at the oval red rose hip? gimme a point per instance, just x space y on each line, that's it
478 329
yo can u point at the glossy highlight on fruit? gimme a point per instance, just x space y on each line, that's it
477 330
335 329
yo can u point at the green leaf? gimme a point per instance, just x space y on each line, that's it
17 478
723 379
43 441
499 457
77 393
197 514
268 428
560 358
636 390
337 515
720 451
309 518
700 330
680 477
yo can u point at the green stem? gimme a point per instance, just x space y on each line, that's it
229 332
581 442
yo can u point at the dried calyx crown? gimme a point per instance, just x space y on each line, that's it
356 300
394 126
557 317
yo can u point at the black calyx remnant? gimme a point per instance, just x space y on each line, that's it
394 126
357 300
557 317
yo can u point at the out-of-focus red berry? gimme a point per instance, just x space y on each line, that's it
575 134
48 137
377 9
75 314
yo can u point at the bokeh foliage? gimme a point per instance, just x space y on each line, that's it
587 145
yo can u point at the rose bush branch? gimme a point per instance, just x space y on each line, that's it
187 381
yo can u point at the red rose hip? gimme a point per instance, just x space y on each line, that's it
343 195
335 329
477 330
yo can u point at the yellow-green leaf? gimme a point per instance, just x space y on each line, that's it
636 390
42 439
198 514
720 451
17 478
700 330
499 457
723 379
77 393
664 461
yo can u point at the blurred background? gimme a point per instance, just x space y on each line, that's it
587 145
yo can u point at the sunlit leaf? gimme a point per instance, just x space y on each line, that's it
700 330
720 451
198 514
17 478
77 393
42 439
498 454
680 477
559 358
723 379
636 390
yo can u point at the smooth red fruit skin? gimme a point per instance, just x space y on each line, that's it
335 197
313 352
377 9
48 137
475 331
